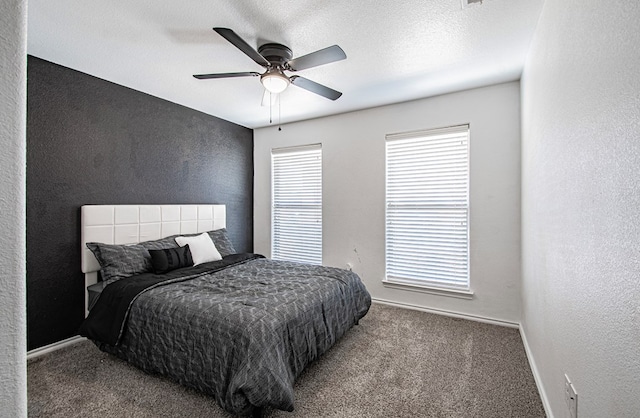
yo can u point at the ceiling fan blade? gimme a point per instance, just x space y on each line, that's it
314 87
314 59
240 43
225 75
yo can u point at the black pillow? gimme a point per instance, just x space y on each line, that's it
169 259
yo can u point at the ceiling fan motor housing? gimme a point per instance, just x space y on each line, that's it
277 54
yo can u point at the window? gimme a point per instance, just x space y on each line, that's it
427 209
297 204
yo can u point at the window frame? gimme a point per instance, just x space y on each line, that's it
391 279
315 210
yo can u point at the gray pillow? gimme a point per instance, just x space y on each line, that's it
122 261
221 239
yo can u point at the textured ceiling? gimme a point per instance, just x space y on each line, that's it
396 51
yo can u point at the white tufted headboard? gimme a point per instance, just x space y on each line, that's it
130 224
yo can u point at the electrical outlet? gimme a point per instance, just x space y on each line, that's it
570 397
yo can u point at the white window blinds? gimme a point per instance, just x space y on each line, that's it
297 204
427 208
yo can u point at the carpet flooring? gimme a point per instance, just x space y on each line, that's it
396 363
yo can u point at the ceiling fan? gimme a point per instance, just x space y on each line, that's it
277 59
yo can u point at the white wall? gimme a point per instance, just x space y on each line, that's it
13 87
581 204
353 146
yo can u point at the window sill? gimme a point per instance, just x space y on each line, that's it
460 294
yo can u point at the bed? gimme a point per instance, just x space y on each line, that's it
240 328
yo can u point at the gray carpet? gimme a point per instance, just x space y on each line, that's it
396 363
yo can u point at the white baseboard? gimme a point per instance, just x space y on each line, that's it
37 352
536 375
453 314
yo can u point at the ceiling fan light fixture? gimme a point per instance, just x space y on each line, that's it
275 81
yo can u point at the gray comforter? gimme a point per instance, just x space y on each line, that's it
243 334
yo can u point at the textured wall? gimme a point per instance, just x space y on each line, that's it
13 49
580 200
353 147
94 142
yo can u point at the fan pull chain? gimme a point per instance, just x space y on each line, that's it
270 109
279 124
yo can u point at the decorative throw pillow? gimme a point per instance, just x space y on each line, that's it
202 248
170 259
221 240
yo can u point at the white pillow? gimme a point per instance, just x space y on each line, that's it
202 248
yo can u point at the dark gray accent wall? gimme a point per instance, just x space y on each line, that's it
90 141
